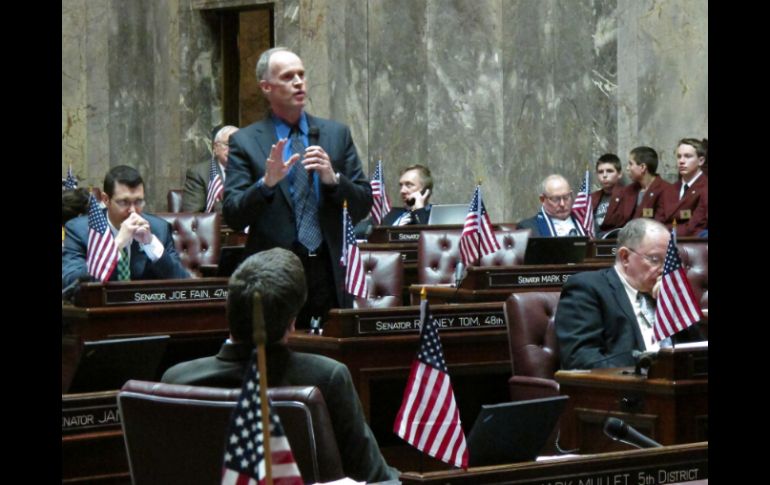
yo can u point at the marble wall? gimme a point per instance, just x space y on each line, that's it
502 91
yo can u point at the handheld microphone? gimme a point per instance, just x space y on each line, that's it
459 274
618 430
312 134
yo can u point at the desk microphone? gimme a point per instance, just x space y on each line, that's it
618 430
459 274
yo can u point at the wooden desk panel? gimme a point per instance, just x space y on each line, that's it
669 465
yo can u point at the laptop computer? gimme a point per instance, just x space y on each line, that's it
229 259
442 214
511 432
556 250
106 365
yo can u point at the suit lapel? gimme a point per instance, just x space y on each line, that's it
621 298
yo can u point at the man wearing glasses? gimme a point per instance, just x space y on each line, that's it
144 242
555 217
198 178
605 315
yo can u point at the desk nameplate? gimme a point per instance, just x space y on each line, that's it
89 412
604 249
470 320
521 279
165 294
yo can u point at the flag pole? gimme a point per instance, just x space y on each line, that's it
258 321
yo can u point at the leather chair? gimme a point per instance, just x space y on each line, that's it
695 260
533 344
438 253
177 433
196 237
174 200
384 279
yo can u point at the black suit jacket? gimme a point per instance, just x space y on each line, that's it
271 219
420 216
361 457
74 250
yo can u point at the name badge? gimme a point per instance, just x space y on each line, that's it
685 214
647 212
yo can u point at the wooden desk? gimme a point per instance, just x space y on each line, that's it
478 357
670 405
496 283
670 465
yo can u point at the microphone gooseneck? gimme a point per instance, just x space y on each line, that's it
618 430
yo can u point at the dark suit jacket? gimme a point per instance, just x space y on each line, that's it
596 325
271 219
532 224
196 184
696 201
420 216
73 260
361 457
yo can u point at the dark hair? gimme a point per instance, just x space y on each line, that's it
74 202
609 158
122 174
425 177
647 156
278 276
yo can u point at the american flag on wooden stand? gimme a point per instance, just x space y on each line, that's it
676 308
101 253
70 182
581 209
428 418
244 462
478 238
355 278
381 204
216 187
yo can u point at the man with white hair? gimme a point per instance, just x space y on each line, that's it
196 183
555 217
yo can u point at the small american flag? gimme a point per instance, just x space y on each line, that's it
101 253
478 238
428 418
244 462
216 187
676 308
381 205
581 209
70 182
355 278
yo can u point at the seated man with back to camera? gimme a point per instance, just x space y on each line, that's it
278 276
605 315
555 217
145 246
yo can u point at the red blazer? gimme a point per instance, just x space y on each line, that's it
653 199
613 208
691 213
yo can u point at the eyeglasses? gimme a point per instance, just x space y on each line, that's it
653 260
555 199
125 204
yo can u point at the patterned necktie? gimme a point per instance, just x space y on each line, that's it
124 269
305 204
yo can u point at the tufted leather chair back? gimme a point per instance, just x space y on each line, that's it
533 344
384 279
174 200
177 433
196 237
695 260
439 251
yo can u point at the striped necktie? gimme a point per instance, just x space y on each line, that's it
124 269
305 203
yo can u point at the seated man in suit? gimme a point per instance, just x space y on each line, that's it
415 188
198 178
144 242
277 274
604 315
555 217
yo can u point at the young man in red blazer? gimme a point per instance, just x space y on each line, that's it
688 201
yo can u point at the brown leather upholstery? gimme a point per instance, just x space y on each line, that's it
439 251
196 237
695 260
384 279
177 433
532 340
174 200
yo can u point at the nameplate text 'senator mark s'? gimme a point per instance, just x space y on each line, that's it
528 279
453 321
